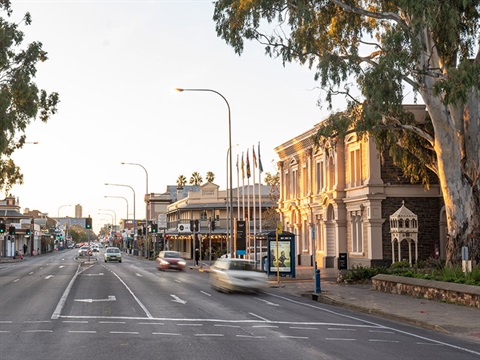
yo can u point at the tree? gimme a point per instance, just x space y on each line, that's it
210 176
389 48
21 101
181 181
271 216
196 178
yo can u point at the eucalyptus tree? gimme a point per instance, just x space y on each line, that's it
374 53
21 101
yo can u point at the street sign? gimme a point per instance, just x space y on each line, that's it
162 221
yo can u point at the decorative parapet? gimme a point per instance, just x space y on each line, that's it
467 295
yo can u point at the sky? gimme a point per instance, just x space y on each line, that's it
115 65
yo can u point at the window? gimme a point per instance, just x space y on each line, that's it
305 181
294 183
355 167
357 232
319 176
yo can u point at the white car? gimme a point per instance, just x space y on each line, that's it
236 275
112 254
84 251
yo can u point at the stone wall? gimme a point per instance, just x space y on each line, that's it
466 295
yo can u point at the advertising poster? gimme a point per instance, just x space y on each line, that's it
280 258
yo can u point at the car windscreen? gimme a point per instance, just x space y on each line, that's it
242 265
113 250
171 254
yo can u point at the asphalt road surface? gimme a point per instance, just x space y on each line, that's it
57 307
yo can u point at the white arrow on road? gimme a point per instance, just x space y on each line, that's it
110 298
178 300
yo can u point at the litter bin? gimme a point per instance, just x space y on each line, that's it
342 261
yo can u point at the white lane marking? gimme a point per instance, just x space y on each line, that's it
110 298
30 273
112 322
189 325
178 281
48 277
339 339
381 331
340 329
231 326
172 334
3 331
99 274
61 302
264 326
82 331
139 275
206 335
150 323
75 322
124 332
177 299
61 266
38 331
267 302
293 337
136 299
251 336
5 322
16 280
205 293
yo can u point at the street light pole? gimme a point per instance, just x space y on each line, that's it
229 146
120 197
115 224
146 202
134 221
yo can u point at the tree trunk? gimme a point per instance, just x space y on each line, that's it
457 145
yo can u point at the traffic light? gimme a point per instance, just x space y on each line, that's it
27 232
88 223
154 228
3 227
196 225
212 226
11 230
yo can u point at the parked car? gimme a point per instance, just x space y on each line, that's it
84 251
170 260
112 254
240 275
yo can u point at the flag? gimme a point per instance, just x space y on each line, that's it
248 167
254 156
259 159
243 170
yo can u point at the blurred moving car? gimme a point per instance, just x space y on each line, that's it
229 274
170 260
112 254
84 251
95 248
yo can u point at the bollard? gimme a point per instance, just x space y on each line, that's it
317 281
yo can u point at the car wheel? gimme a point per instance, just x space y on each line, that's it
119 260
105 260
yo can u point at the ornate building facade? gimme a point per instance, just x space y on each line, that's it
337 200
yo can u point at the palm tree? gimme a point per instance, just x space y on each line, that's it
196 178
210 176
181 181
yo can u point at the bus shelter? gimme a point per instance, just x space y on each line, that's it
280 257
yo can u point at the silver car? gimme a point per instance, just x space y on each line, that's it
112 254
236 275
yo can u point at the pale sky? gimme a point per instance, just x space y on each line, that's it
115 65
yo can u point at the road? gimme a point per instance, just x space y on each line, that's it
56 307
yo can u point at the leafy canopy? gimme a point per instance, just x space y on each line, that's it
20 99
373 52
